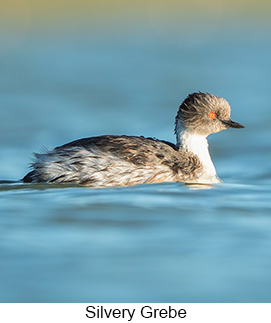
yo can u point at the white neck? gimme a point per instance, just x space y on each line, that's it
199 146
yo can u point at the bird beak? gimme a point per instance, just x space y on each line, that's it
231 124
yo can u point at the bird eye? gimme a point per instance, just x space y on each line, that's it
212 115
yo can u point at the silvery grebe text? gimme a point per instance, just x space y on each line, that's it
145 312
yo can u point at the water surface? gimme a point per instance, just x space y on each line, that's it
148 243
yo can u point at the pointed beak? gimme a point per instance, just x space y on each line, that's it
231 124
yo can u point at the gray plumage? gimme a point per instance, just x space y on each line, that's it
114 161
194 110
128 160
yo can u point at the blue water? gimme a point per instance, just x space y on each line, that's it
148 243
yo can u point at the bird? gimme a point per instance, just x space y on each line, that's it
112 161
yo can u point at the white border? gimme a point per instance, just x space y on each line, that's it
76 312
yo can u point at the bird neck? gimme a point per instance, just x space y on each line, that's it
198 145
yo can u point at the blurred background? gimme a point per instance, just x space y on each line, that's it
72 69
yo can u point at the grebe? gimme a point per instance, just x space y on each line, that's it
129 160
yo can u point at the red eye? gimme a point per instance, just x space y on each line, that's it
212 115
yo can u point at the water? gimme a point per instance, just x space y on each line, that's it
148 243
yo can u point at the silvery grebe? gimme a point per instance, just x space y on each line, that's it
129 160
